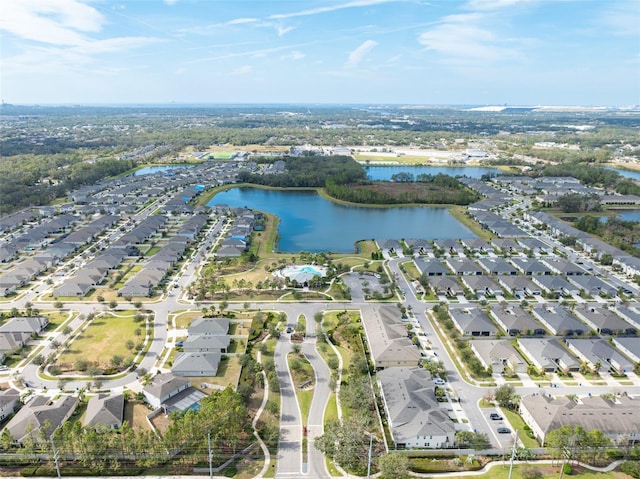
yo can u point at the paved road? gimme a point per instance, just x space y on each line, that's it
315 424
289 456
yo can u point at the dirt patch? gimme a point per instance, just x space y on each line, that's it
136 415
161 422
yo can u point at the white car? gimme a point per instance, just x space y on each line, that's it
438 381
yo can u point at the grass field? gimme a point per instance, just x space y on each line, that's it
518 424
548 472
459 213
104 338
184 319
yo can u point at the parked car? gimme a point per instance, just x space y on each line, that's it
504 430
438 381
495 416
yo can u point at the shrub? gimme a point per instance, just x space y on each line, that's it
632 468
566 469
532 472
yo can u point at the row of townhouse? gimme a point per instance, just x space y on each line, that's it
207 340
238 236
617 418
155 270
15 332
91 274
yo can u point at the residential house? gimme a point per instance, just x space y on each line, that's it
388 339
548 355
431 267
38 413
472 322
599 354
163 387
530 267
476 245
419 246
463 266
558 320
563 266
618 419
497 266
481 285
196 364
445 285
415 418
602 320
593 285
25 324
449 246
555 285
389 246
519 286
105 410
515 321
629 346
8 401
507 246
499 355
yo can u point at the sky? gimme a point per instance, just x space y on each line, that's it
424 52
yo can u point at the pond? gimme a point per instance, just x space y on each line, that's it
148 170
634 175
309 222
386 172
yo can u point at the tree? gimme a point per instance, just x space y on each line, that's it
347 443
393 466
475 440
113 304
506 396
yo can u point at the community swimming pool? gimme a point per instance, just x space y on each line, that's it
302 273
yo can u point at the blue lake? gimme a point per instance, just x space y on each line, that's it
634 175
386 172
147 170
308 222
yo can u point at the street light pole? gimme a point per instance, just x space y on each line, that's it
513 454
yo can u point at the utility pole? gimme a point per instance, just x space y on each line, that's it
55 455
513 454
210 456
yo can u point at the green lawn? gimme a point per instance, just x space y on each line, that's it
331 412
105 337
518 424
549 472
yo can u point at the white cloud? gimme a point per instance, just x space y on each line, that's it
494 4
295 55
622 18
283 30
170 2
357 55
331 8
240 21
243 70
461 39
57 22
